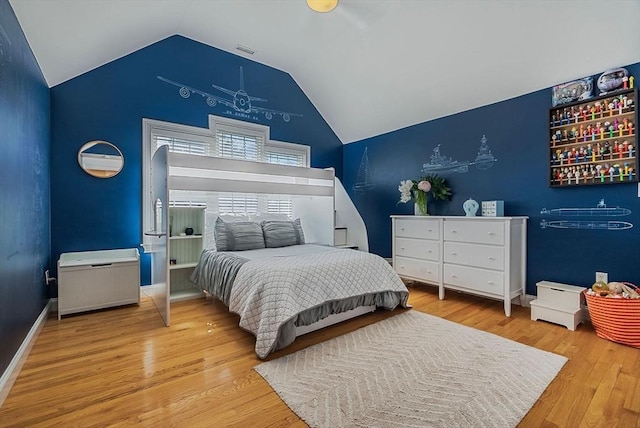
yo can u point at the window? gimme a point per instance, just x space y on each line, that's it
238 203
224 138
239 140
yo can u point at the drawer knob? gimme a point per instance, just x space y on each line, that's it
402 248
429 251
428 271
491 258
490 233
454 254
490 282
429 230
453 276
454 231
402 228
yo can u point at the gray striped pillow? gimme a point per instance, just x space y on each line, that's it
282 233
238 236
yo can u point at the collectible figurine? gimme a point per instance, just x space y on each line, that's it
631 82
611 80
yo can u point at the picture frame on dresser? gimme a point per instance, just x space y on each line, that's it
485 256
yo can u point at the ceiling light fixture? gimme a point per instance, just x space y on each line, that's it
322 5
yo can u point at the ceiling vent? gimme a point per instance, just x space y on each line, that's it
245 49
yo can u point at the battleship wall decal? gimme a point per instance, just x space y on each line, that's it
443 165
364 179
240 101
600 210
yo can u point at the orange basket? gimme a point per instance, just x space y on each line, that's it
617 320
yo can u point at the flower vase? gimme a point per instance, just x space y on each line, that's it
420 207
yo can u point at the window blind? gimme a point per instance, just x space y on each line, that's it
282 206
183 145
238 203
239 146
281 158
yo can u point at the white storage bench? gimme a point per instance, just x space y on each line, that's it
91 280
558 303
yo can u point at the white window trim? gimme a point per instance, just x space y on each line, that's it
151 126
292 148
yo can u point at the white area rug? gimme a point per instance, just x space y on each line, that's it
413 370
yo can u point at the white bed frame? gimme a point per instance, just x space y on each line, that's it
201 173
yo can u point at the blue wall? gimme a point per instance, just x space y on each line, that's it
109 104
24 186
518 136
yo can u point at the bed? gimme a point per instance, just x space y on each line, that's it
275 291
267 271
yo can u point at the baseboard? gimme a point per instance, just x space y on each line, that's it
527 300
13 370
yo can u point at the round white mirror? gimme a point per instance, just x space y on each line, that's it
100 159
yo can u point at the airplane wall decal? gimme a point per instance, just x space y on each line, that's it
240 101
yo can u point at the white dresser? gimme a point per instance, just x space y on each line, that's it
480 255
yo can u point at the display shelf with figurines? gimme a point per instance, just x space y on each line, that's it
594 141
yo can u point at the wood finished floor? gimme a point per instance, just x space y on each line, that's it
122 367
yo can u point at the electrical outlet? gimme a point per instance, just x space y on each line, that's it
602 277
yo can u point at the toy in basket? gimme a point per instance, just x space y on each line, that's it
614 309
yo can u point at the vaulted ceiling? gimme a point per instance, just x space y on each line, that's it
369 66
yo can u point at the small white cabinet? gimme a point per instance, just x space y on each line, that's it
91 280
559 303
479 255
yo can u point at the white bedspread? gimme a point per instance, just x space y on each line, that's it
268 292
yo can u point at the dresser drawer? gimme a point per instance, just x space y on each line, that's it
485 256
480 232
418 228
418 269
418 248
482 280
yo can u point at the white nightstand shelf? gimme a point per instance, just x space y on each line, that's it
558 303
